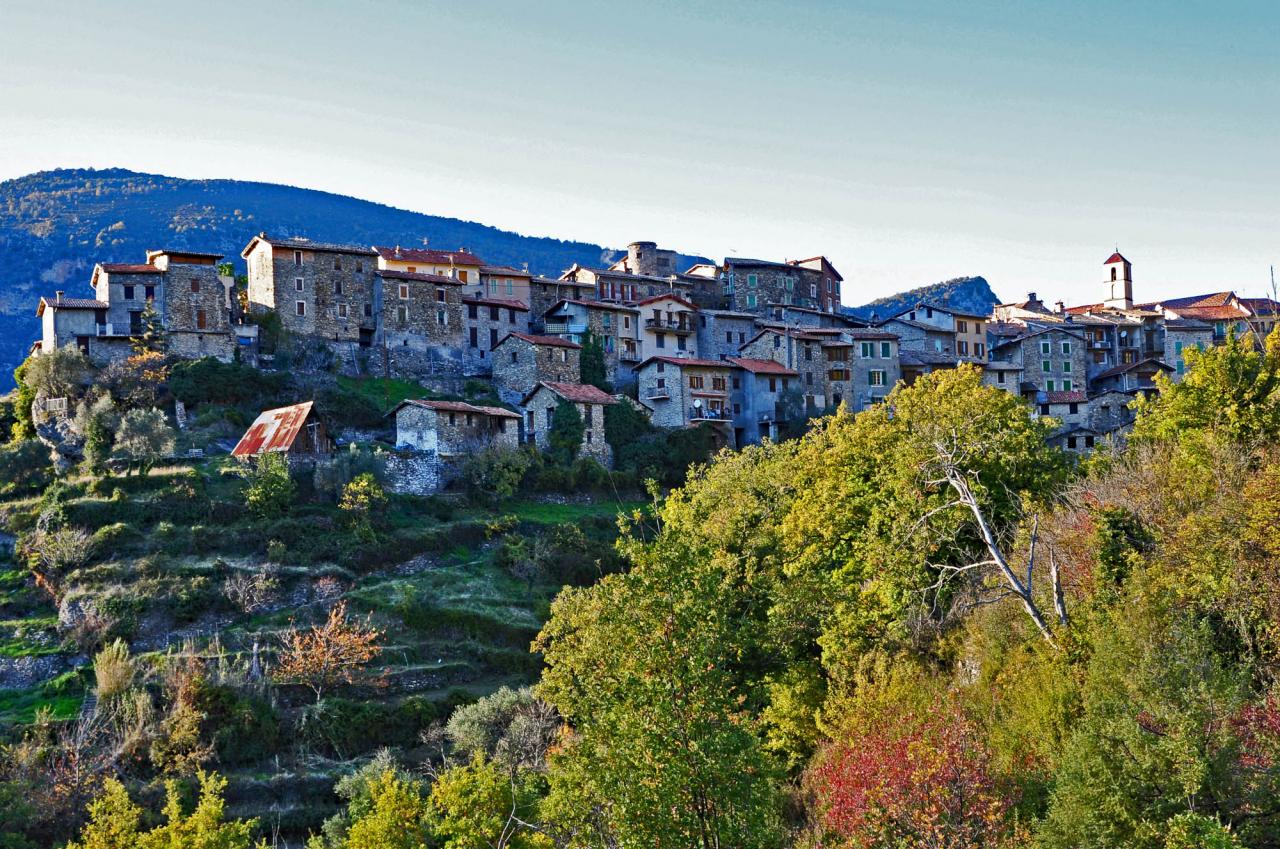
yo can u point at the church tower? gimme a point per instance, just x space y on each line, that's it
1119 282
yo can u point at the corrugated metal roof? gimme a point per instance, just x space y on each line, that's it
273 430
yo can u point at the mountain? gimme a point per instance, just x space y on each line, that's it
968 294
54 225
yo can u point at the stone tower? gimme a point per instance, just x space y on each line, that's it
1119 282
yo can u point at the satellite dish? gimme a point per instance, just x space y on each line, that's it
697 402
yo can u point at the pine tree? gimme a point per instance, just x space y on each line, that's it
152 339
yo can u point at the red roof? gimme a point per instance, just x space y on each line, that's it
578 393
391 274
273 430
457 407
1115 257
127 268
534 339
1212 313
497 302
1074 397
458 257
689 361
762 366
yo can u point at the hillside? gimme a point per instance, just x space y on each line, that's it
970 294
54 225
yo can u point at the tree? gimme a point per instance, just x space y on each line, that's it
395 817
591 363
513 728
328 655
1231 390
566 433
98 422
271 490
624 423
480 806
153 339
24 467
143 438
362 499
908 781
494 473
115 822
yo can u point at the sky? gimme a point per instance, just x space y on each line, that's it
908 141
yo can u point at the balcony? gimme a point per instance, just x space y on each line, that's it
708 414
1099 345
629 356
109 329
661 393
557 328
667 325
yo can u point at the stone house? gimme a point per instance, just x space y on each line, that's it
801 351
1180 334
722 333
753 284
616 285
522 360
668 327
421 321
615 325
295 431
539 406
918 336
760 400
80 322
1132 377
646 258
683 391
502 282
196 304
487 322
823 287
461 265
874 368
706 287
545 293
1053 359
454 428
1003 375
967 331
1110 411
322 290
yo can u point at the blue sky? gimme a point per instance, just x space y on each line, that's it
909 142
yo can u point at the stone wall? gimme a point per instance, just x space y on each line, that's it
540 410
518 366
423 315
195 300
336 290
754 287
414 472
485 326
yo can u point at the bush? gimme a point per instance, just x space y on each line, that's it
494 473
271 490
143 438
566 433
209 381
343 407
25 468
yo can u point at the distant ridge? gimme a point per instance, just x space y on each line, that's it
55 224
966 294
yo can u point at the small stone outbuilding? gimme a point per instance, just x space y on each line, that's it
454 428
540 406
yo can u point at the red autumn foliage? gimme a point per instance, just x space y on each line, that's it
908 781
1257 726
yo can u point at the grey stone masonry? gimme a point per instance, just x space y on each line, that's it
685 391
422 312
615 325
721 333
321 290
454 428
521 360
539 408
487 321
754 284
1051 360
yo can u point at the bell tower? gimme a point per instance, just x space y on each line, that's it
1119 282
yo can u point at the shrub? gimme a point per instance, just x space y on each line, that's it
566 433
113 670
271 489
24 467
494 473
143 438
362 500
209 381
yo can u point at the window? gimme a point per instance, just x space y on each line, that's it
777 341
402 313
1071 442
297 257
875 378
472 338
773 384
1046 347
1113 273
742 337
200 319
297 284
680 343
1066 366
337 263
442 318
1046 366
493 337
999 377
752 281
128 293
342 310
511 316
471 311
695 381
549 414
1066 349
808 352
493 286
979 349
868 350
662 366
1073 408
977 327
1088 440
462 275
660 340
626 322
737 382
1051 386
1180 367
751 299
728 337
886 349
717 383
440 296
337 287
737 409
300 308
511 286
813 290
494 313
1066 386
514 357
359 266
962 327
928 311
808 378
150 292
195 285
1044 409
662 383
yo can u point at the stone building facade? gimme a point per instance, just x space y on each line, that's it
615 325
545 293
522 360
502 282
197 306
325 291
461 265
1051 360
487 322
539 407
722 333
761 399
454 428
753 284
1181 334
798 350
686 391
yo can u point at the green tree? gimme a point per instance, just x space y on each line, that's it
1231 390
98 422
271 490
153 339
479 806
591 363
396 817
115 821
362 500
143 438
566 433
25 467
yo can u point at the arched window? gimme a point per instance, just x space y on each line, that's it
1113 273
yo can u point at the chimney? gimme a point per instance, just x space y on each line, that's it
57 297
1059 307
1031 296
397 251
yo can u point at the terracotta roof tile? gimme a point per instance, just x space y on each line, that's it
456 407
578 393
128 268
535 339
392 274
498 302
762 366
431 255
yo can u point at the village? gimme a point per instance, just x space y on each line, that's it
749 348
